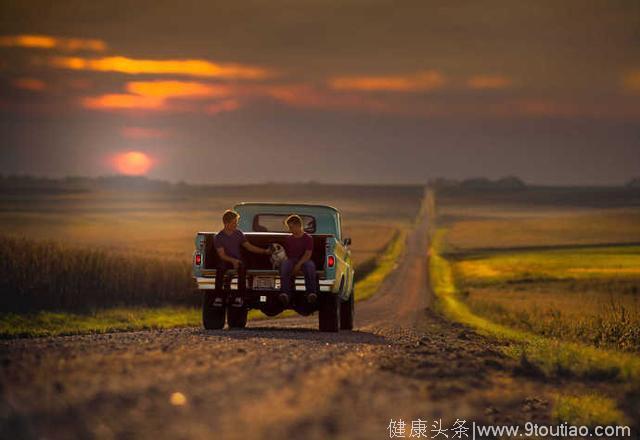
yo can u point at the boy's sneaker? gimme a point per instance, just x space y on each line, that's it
284 299
217 302
237 301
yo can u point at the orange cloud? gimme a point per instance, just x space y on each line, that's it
49 42
32 84
417 82
188 67
154 95
176 89
123 102
631 81
143 133
481 82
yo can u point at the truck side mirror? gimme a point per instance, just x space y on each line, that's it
347 241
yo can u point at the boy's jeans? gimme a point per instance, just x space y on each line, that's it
287 281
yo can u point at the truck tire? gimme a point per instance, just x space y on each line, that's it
329 312
347 312
212 317
237 316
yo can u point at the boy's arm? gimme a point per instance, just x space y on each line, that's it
255 249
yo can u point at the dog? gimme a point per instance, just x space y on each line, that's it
278 255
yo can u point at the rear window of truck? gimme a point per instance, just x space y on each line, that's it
275 223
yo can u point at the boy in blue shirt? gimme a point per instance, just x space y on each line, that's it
227 243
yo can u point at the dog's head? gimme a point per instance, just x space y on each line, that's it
278 255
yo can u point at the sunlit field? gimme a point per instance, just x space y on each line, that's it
549 263
538 217
154 223
583 263
588 295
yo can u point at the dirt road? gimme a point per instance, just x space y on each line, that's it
276 379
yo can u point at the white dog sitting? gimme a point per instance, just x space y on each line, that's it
278 255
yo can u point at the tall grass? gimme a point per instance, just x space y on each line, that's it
45 275
586 294
614 325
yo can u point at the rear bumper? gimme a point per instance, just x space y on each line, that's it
209 283
211 273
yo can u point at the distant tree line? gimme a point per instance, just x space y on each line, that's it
508 182
633 183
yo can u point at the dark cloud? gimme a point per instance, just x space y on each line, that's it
544 89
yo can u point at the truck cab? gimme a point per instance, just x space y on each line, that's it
263 225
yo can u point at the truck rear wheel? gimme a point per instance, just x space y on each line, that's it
212 316
237 316
346 313
329 312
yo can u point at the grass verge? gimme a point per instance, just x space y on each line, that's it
385 263
14 325
587 410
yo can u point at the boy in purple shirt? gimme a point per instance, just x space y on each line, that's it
227 243
299 248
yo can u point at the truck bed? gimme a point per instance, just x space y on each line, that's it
257 262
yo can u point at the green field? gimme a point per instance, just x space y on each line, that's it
555 273
556 262
587 294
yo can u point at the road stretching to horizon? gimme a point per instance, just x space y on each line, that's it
275 379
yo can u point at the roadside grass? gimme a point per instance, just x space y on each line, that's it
588 410
384 265
46 323
58 323
550 356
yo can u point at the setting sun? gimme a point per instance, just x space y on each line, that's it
132 163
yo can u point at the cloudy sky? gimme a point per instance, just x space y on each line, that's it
325 90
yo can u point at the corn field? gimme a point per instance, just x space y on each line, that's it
45 275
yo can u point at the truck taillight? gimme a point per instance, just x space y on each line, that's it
331 261
198 259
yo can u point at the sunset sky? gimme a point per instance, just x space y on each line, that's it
325 90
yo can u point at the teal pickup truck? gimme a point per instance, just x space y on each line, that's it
263 225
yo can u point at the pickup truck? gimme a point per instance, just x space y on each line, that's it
263 225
